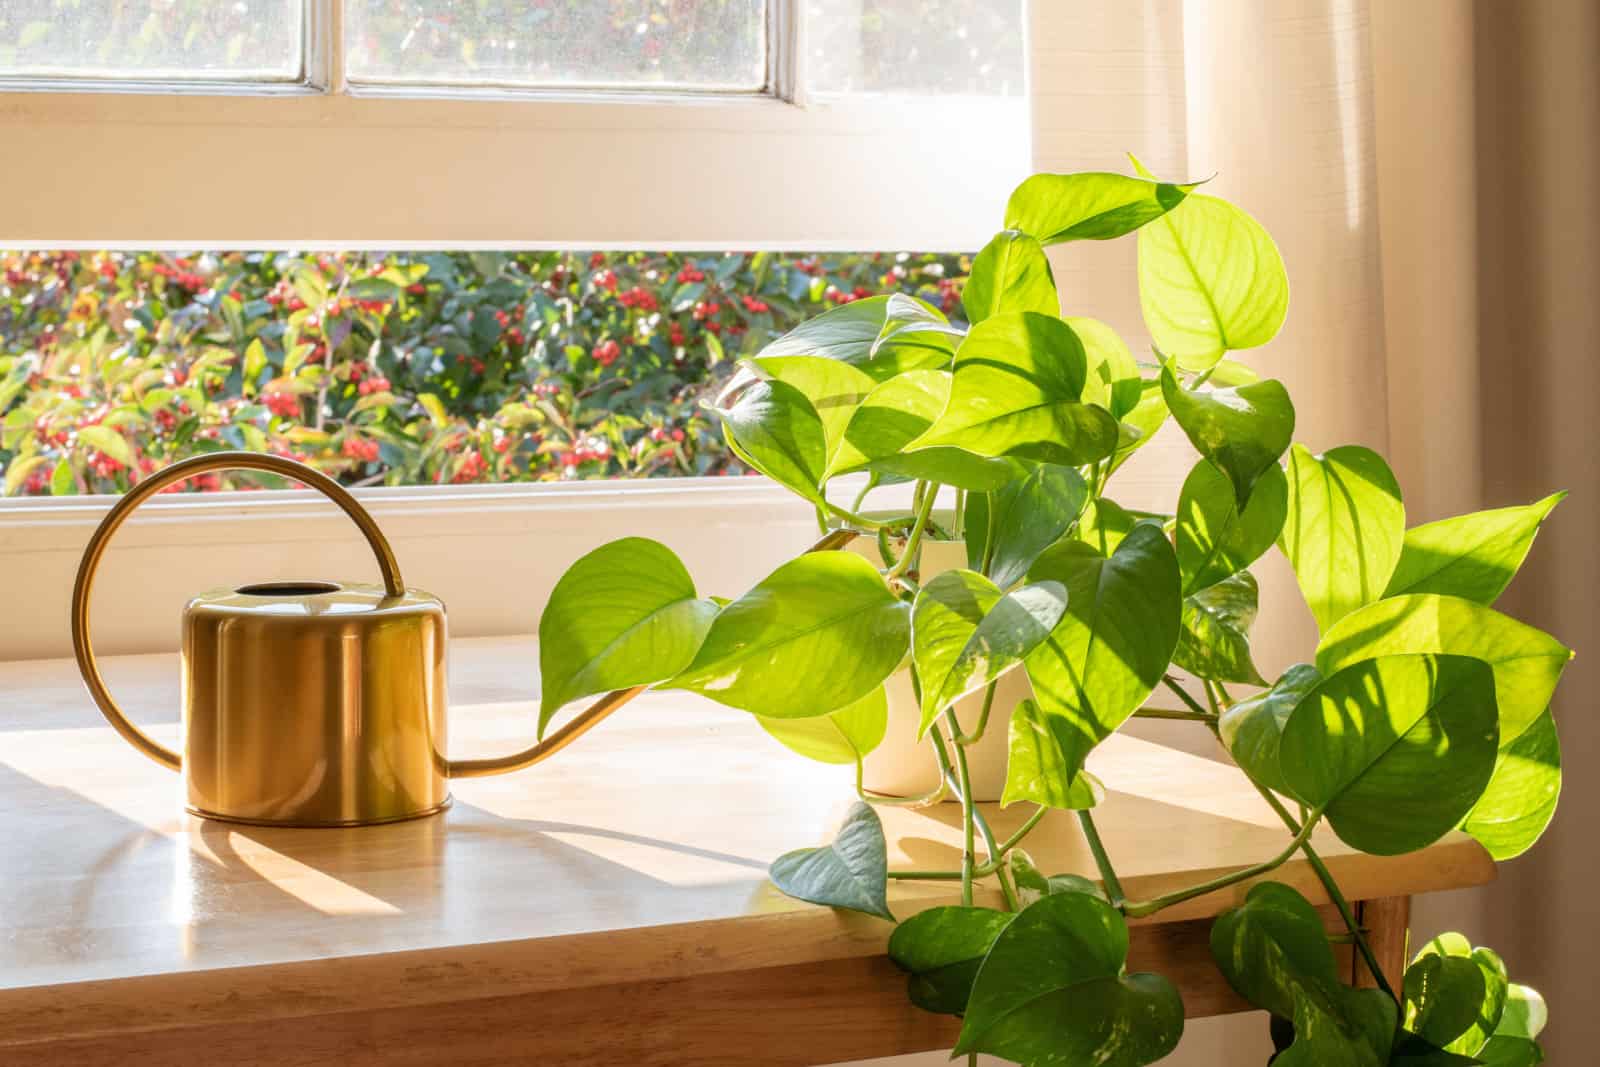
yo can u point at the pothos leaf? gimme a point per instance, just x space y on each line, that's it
1215 639
1010 274
850 873
1344 528
1115 640
651 626
1471 556
965 634
1053 989
1242 429
827 617
1040 768
1210 281
844 736
1395 750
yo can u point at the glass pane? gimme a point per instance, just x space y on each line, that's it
967 47
244 40
399 368
627 44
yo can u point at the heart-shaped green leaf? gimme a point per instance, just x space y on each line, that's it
965 634
1052 990
1455 994
1527 664
1274 952
1095 206
851 333
942 949
650 629
1395 750
1215 638
852 872
1017 391
1010 274
1252 729
1243 429
827 617
1273 946
843 736
773 428
1115 640
1344 528
1039 768
1214 537
1031 513
1210 281
1472 556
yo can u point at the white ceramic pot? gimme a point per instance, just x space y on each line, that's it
903 766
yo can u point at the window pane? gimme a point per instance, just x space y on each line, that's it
398 368
242 40
970 47
627 44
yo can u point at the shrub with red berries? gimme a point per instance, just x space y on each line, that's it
396 368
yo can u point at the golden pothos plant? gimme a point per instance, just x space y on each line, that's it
1421 710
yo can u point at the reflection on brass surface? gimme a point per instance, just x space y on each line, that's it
311 703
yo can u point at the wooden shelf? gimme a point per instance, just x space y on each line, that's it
609 906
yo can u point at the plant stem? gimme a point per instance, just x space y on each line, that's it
1022 831
983 718
926 876
1168 713
1007 890
861 497
860 520
1107 874
959 519
914 538
1139 908
967 812
1183 695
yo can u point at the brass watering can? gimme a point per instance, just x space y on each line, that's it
307 703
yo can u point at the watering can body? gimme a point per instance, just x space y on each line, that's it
307 703
314 704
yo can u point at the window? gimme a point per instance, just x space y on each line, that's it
199 151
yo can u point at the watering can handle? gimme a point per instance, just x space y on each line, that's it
288 468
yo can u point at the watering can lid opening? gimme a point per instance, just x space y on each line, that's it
303 598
